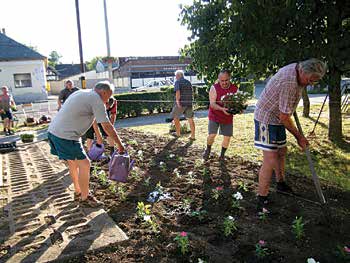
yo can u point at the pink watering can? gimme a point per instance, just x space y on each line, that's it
120 166
96 152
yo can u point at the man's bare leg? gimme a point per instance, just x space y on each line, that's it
192 127
74 171
84 177
177 126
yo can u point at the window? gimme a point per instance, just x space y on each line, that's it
23 80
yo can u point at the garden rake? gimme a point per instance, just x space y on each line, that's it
311 164
312 133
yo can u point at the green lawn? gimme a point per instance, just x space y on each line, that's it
332 162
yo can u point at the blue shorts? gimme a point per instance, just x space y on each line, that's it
66 149
7 115
269 137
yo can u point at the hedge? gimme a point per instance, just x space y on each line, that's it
133 109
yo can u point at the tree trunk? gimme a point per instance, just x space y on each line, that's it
335 118
306 103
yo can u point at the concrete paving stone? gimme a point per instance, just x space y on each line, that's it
40 221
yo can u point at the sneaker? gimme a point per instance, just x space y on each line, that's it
282 187
7 133
90 202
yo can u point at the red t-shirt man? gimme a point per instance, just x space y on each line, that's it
218 115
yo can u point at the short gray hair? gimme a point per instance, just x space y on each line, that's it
104 86
180 72
314 66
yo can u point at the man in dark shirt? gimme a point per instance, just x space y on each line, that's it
183 103
66 92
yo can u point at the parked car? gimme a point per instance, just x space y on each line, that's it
154 85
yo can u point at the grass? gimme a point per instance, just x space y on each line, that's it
332 162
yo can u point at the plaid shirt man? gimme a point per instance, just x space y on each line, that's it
281 94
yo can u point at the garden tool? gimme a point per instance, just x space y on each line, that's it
311 164
312 133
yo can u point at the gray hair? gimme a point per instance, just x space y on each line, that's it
103 86
314 66
180 72
69 80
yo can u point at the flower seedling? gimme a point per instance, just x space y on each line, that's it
186 204
242 186
229 226
132 142
147 182
171 156
162 166
140 155
177 173
343 253
121 192
159 188
312 260
205 172
182 242
102 177
198 163
217 192
179 159
143 210
298 227
190 177
261 250
151 223
235 200
263 215
134 174
199 214
112 188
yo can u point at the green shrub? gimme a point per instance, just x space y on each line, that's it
201 96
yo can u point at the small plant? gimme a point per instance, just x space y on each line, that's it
263 215
151 223
229 226
121 192
177 173
132 142
190 177
102 177
27 137
298 227
217 192
147 182
143 210
242 186
343 253
112 188
199 214
152 163
162 166
159 188
182 242
134 174
179 159
140 155
261 250
171 156
186 204
183 130
236 199
205 172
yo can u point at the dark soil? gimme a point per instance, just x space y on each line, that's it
326 228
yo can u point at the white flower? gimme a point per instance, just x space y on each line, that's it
311 260
190 173
238 196
146 217
176 170
139 152
171 155
161 163
230 218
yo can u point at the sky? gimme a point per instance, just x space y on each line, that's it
136 27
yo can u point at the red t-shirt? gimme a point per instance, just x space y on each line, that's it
218 115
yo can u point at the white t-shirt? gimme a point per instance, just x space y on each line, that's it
77 115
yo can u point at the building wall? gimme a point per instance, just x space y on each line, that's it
35 68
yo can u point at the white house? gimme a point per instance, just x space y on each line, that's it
22 70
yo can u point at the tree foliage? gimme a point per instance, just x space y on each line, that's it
256 37
92 63
54 58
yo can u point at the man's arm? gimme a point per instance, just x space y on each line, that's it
288 123
177 97
99 139
213 104
111 132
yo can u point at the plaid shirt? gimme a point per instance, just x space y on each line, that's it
281 95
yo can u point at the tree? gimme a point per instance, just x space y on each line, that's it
54 58
91 65
258 37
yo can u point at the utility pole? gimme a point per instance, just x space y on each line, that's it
110 61
82 68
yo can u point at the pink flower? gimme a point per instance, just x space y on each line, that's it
183 234
219 188
262 242
264 210
346 249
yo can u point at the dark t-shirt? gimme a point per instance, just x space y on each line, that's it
186 94
65 93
